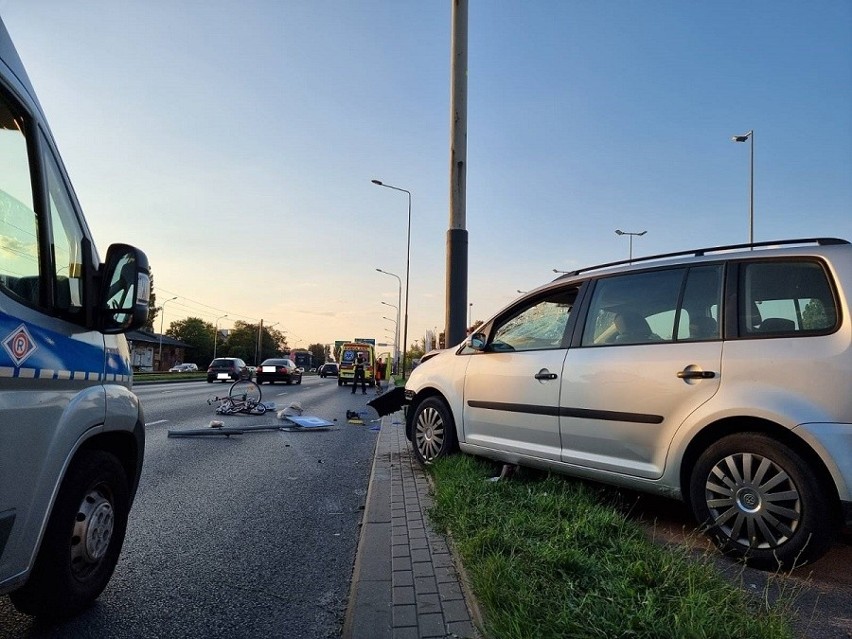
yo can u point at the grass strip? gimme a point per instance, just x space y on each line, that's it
549 557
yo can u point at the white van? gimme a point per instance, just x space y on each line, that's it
71 431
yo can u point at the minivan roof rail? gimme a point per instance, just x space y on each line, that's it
821 241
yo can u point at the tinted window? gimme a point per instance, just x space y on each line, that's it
634 309
699 309
785 297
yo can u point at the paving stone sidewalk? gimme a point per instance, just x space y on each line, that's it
405 584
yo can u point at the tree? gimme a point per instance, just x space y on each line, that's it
242 341
273 343
319 353
197 333
415 351
814 316
153 309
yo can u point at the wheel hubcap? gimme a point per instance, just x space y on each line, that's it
93 529
753 501
429 433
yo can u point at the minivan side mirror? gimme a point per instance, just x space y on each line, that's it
125 290
477 341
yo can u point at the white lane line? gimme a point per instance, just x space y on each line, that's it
159 421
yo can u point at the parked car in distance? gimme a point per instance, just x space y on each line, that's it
279 370
719 376
329 369
225 369
183 368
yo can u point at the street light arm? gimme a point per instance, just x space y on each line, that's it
407 268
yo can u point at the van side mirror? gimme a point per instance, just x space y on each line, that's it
125 290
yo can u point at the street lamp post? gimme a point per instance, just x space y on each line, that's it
397 315
162 315
630 236
258 351
750 138
407 269
469 313
396 332
395 328
396 335
216 334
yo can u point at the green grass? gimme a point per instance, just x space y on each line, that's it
548 557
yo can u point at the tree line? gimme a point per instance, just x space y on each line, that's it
245 340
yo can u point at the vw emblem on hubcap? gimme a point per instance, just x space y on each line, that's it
748 500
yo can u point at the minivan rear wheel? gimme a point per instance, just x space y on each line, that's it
761 503
433 431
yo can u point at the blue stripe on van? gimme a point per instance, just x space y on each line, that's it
55 355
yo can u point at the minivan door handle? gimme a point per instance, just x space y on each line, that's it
694 374
545 374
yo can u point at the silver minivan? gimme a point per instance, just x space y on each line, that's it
71 430
720 376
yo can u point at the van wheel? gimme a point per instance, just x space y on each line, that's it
82 540
433 430
761 503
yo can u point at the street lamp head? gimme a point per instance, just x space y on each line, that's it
379 182
742 138
642 233
619 232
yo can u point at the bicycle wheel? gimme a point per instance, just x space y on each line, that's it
256 409
245 391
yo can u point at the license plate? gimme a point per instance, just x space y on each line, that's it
268 369
223 376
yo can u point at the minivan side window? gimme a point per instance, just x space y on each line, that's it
785 298
540 326
624 307
656 306
699 309
19 245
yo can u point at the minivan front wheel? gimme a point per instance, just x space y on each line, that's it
433 431
761 503
82 541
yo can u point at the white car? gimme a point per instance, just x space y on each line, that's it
184 368
719 376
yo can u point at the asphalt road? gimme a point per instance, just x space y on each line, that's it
249 536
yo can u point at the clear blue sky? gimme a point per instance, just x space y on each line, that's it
235 142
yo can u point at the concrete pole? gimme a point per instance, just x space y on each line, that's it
457 237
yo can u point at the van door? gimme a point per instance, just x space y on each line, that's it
649 355
48 361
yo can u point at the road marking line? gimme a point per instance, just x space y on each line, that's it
159 421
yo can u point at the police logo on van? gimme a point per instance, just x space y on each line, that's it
20 345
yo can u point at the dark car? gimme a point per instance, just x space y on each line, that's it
329 370
279 370
227 369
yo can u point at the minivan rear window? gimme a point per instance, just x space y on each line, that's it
785 297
